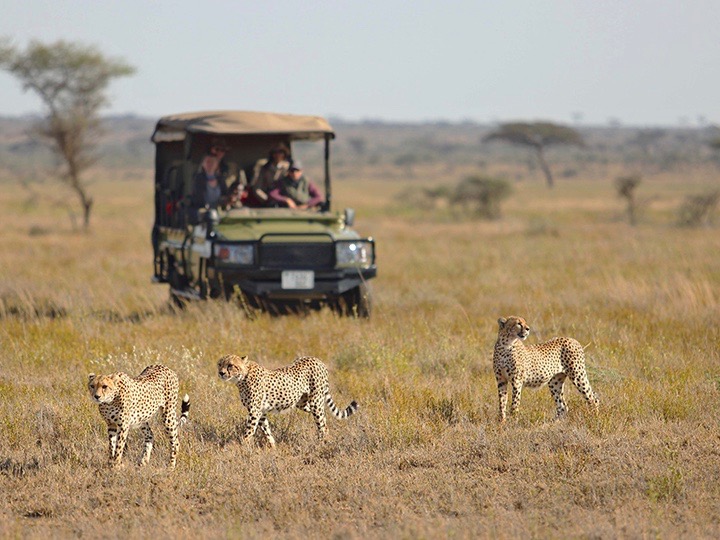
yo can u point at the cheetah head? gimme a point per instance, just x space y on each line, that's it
232 367
512 328
103 388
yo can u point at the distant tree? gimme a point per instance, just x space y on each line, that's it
483 193
714 145
407 160
538 136
358 145
71 80
626 186
647 139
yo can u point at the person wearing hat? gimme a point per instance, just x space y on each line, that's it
227 173
209 188
295 190
268 173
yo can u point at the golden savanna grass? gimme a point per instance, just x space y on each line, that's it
424 456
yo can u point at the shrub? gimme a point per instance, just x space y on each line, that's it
483 194
698 209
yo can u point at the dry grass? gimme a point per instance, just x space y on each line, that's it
424 457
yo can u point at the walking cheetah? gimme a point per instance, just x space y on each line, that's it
303 384
126 402
534 365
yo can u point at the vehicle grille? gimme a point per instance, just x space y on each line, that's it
297 255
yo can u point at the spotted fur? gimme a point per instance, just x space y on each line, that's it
303 384
127 402
534 365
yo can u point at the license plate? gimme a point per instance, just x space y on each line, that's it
298 279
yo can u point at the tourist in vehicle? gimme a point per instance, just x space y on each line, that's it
227 172
209 188
274 168
295 190
236 195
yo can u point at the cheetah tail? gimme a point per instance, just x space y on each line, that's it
185 409
348 411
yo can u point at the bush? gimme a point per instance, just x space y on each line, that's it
483 194
698 209
424 198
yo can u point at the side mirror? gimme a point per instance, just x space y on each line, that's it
349 217
212 217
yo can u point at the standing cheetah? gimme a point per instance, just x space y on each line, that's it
534 365
303 384
126 402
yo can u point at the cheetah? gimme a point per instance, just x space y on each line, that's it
126 402
534 365
303 384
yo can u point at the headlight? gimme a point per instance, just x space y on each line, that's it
235 253
354 253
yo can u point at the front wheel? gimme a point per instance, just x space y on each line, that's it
357 302
176 301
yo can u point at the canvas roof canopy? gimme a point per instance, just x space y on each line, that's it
297 127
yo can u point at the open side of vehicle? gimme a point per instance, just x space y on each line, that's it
277 259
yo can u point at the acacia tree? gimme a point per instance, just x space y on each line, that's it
626 186
538 136
71 80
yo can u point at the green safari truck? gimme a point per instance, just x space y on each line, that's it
277 259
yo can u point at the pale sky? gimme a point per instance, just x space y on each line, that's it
642 62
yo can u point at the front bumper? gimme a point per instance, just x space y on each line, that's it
268 283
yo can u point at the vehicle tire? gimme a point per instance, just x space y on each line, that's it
249 304
356 302
176 301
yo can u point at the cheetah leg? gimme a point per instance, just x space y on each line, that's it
516 394
303 404
145 428
318 411
120 449
265 427
556 385
172 432
503 399
251 425
112 440
580 380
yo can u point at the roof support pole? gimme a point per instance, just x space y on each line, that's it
328 197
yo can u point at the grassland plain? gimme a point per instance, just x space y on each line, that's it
425 456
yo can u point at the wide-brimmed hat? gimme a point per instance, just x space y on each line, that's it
219 143
280 147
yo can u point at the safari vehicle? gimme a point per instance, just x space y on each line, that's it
276 259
